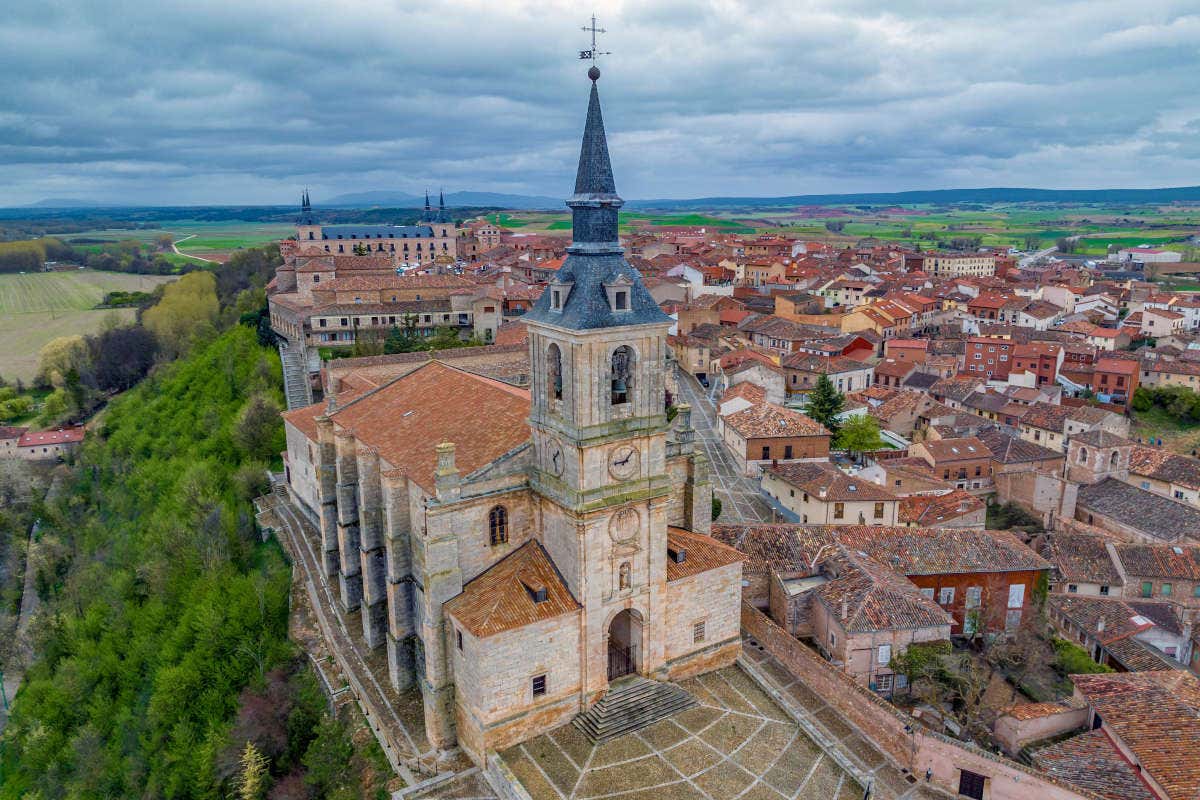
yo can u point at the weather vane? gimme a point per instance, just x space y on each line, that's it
593 54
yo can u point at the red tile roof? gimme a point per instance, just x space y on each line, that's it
701 554
502 597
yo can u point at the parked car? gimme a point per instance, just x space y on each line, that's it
703 381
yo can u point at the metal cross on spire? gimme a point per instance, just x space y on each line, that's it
593 54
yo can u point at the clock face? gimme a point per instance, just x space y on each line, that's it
624 461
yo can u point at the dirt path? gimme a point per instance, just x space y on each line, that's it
175 247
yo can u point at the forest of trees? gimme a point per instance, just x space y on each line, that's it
162 665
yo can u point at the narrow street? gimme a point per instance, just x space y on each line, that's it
739 494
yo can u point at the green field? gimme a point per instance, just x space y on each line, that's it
37 307
207 240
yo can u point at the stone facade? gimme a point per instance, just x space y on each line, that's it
513 550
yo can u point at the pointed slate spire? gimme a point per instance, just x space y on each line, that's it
594 175
441 205
595 287
595 202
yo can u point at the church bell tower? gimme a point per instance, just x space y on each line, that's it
598 344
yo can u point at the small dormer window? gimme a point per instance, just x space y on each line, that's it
556 300
621 301
677 554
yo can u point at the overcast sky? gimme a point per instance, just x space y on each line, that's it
247 101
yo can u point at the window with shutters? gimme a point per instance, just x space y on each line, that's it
539 685
698 632
884 656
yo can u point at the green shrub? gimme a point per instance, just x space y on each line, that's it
1074 660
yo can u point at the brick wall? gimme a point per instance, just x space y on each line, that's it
884 725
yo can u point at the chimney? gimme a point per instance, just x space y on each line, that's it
1100 626
845 609
446 479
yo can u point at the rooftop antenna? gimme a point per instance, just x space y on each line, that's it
594 53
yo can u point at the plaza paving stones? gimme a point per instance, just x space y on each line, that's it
825 778
738 743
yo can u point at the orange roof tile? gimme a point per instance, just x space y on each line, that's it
502 597
406 419
703 553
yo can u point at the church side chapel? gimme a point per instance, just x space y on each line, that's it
518 551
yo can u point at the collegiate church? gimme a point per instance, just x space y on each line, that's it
516 550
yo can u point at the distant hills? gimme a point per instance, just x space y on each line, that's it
1184 194
402 200
467 199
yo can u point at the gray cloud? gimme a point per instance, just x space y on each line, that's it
206 102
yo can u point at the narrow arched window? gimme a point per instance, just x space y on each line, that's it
1083 455
554 372
498 525
622 374
624 576
1113 460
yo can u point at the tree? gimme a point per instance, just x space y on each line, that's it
825 403
328 756
835 225
1032 241
255 775
186 313
122 356
256 431
859 434
58 357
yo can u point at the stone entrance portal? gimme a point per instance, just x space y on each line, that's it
624 644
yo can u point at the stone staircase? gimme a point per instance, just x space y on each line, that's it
632 703
295 376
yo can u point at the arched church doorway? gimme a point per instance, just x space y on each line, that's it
624 643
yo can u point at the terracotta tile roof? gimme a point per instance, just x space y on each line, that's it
1081 558
932 511
826 483
1121 618
1134 655
955 388
501 598
1014 450
1163 465
1090 761
1157 716
768 420
370 281
947 451
58 436
701 554
407 418
1152 514
1025 711
1047 417
745 390
1160 561
1098 437
865 596
931 551
785 548
11 432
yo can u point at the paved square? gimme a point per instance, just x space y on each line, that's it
738 743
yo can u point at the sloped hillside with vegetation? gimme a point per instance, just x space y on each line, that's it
163 666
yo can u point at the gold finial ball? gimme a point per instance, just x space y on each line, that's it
594 73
